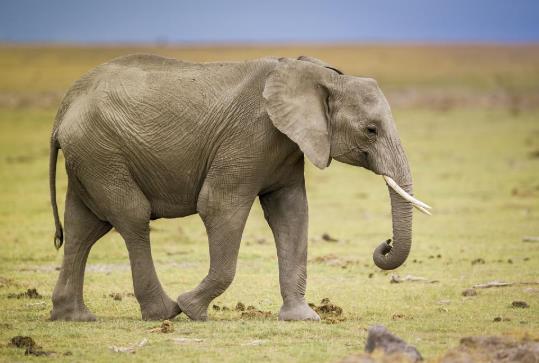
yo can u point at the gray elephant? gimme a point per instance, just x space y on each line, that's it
146 137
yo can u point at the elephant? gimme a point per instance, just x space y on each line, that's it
146 137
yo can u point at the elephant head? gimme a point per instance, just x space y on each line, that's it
331 115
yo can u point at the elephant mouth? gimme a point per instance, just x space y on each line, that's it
422 207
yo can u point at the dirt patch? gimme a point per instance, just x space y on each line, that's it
494 349
329 312
223 308
165 328
469 292
253 313
20 341
399 316
334 260
327 238
30 346
520 304
118 296
478 261
28 294
240 306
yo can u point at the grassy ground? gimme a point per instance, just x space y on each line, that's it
477 167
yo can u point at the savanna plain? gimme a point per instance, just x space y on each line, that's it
468 119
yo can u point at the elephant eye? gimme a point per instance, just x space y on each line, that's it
371 130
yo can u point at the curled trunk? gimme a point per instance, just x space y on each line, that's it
387 256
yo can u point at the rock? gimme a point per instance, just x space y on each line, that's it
493 349
380 338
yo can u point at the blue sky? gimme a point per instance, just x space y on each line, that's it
269 21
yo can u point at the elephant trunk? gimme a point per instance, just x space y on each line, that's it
387 256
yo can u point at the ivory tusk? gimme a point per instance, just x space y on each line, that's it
422 210
417 203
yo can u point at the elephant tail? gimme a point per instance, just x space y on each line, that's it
59 234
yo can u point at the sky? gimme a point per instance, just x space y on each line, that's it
273 21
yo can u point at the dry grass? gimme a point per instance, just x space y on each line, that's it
478 167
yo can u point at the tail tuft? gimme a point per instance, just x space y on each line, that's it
59 238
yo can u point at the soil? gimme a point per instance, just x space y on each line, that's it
334 260
478 261
22 342
326 237
253 313
469 292
118 296
329 312
30 294
31 348
495 350
240 307
165 327
520 304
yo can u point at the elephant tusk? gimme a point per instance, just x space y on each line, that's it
422 207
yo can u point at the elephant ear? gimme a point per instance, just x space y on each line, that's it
296 96
319 62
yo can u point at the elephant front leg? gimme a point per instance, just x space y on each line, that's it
287 214
224 216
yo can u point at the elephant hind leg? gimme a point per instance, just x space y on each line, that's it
130 215
82 230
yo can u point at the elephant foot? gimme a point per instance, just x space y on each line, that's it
161 308
297 311
192 307
73 312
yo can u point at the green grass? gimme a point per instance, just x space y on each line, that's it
474 166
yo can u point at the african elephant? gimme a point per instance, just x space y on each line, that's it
146 137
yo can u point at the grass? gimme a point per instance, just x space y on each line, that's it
475 166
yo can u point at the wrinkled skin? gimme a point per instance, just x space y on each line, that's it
146 137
